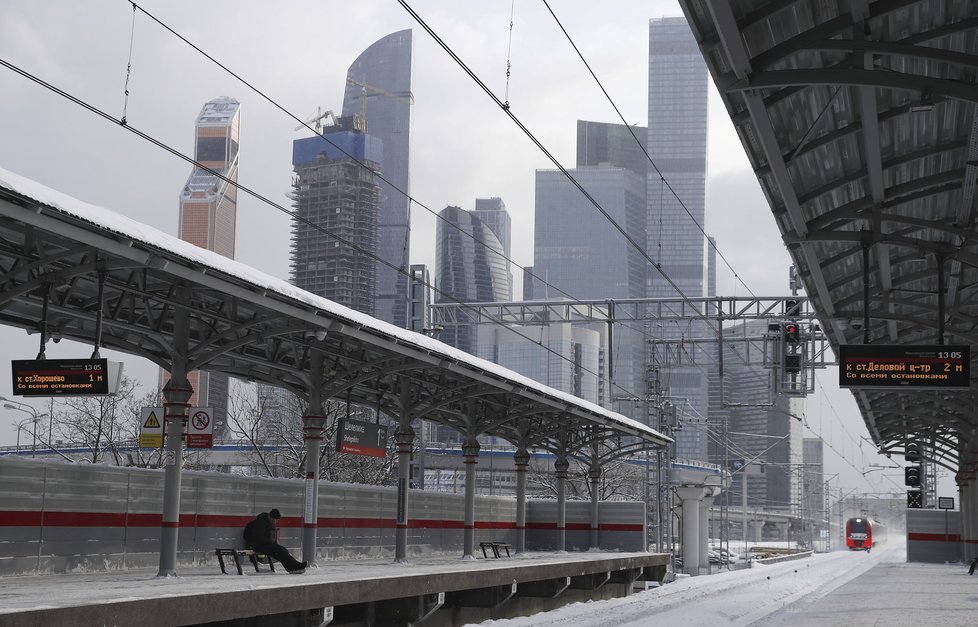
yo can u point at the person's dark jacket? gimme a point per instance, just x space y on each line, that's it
261 530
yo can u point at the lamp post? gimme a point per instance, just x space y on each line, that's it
9 404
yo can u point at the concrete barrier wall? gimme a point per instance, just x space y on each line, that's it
621 525
57 517
933 535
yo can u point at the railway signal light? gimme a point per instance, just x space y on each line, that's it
912 452
792 334
911 476
914 499
792 307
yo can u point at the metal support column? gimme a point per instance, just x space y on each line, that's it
405 441
176 405
470 450
313 431
561 466
522 459
594 474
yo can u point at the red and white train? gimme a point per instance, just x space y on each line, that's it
863 533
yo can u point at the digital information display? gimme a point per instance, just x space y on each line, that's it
904 366
60 377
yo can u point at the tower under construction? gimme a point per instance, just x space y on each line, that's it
337 202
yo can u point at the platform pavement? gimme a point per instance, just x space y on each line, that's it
204 594
892 595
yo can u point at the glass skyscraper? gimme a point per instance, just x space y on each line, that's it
575 248
469 267
581 255
208 218
677 132
378 87
613 144
492 211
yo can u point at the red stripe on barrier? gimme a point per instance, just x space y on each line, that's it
215 520
934 537
143 520
494 524
620 527
169 525
83 519
107 519
20 519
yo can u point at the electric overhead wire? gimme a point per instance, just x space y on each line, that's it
664 182
533 138
248 191
160 144
505 107
379 175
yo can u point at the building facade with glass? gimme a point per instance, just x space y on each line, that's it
208 218
378 88
469 267
677 132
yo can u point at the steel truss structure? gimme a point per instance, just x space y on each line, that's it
75 271
860 120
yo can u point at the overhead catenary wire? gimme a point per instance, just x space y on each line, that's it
132 38
379 175
303 123
160 144
536 141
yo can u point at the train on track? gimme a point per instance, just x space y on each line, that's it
863 533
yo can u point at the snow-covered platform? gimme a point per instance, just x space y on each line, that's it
894 595
356 590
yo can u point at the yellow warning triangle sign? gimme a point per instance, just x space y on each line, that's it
152 422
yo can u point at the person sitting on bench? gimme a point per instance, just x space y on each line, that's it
261 536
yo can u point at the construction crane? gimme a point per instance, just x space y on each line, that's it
374 91
316 121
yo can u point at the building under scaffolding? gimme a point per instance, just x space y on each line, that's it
337 200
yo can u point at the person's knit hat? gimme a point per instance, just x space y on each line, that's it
274 514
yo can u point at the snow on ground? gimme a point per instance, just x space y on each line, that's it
740 597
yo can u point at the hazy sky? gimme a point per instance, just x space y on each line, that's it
463 146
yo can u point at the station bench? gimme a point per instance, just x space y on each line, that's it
237 554
494 546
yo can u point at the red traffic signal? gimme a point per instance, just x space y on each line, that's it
791 332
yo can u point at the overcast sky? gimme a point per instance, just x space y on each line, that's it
463 146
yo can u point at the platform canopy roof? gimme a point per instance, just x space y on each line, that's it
259 328
859 120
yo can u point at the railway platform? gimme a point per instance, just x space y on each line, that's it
441 590
896 594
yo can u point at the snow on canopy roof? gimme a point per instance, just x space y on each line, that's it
110 221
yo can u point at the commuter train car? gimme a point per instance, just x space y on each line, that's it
862 534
